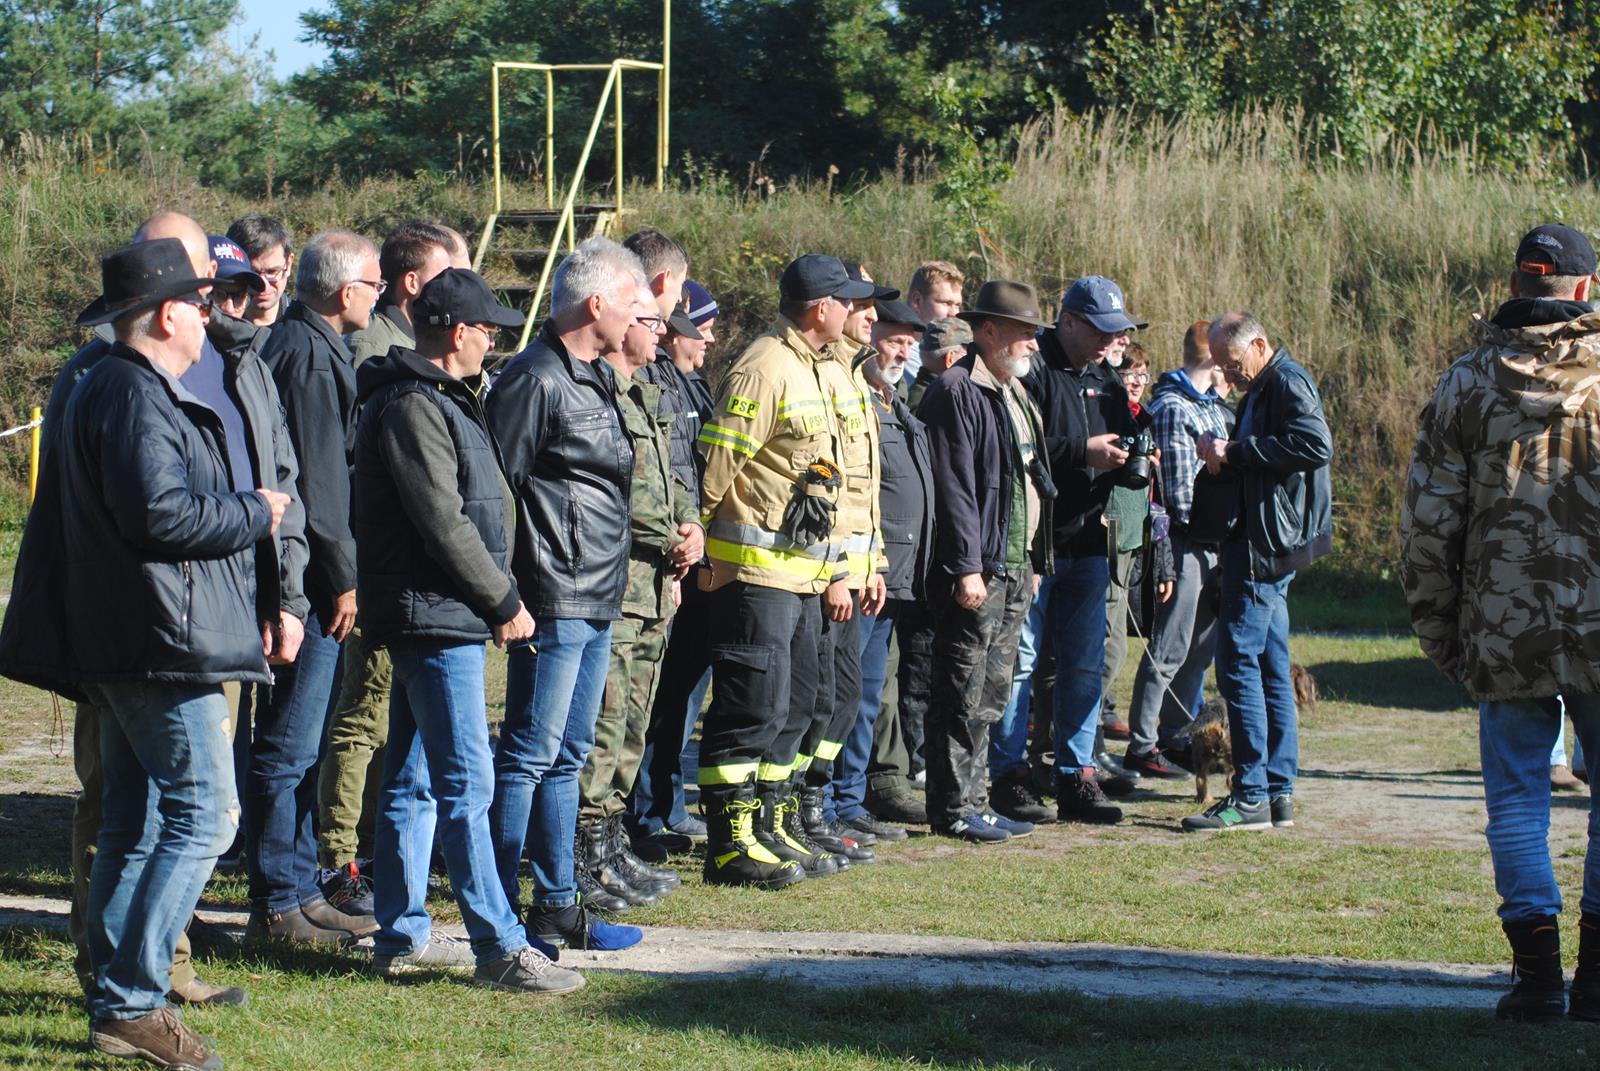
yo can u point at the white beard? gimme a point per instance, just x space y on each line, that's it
1020 366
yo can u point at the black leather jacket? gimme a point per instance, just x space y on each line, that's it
569 464
1282 449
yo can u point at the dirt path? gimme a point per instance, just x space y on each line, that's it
851 960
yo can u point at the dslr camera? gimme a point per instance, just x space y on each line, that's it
1135 472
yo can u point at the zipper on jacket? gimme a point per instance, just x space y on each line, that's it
188 599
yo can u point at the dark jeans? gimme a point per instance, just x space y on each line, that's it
914 636
973 655
753 725
280 788
658 799
838 703
850 769
1253 673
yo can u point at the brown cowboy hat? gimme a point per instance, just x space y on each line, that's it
1005 300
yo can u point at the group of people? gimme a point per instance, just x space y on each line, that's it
896 541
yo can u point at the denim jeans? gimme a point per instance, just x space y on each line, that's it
1076 619
553 692
1008 743
169 810
437 761
849 787
1514 738
280 789
1253 675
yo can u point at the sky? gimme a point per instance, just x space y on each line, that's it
278 24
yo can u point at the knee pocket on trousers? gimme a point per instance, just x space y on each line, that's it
748 655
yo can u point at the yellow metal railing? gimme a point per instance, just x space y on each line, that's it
610 93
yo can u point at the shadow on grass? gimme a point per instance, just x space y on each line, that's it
1404 683
35 844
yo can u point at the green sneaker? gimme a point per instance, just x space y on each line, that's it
1230 813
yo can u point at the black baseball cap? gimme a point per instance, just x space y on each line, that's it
897 312
459 296
817 275
852 268
681 324
1554 249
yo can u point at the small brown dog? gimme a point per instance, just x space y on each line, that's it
1211 743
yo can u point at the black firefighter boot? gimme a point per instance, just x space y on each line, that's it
603 868
834 836
775 836
733 854
1585 999
635 871
1540 993
591 891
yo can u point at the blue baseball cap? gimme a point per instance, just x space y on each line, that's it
1099 301
233 264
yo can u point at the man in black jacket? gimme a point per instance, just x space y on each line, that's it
992 538
1085 412
1280 451
434 521
157 545
569 462
335 290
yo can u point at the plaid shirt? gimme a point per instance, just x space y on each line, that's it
1180 420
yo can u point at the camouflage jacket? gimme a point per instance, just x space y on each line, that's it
1501 524
657 502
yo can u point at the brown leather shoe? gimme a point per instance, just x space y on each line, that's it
159 1037
321 913
202 994
1117 730
1562 779
292 926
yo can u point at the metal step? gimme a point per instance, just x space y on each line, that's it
585 212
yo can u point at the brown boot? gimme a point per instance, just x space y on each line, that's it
1562 779
202 994
159 1037
294 927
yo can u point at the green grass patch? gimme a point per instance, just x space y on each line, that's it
308 1013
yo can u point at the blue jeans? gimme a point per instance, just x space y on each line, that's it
280 789
553 693
1253 676
438 759
849 786
169 809
1008 741
1514 738
1076 618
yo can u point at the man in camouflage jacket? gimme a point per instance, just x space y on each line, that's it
1502 572
667 540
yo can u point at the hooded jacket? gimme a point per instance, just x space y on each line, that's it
1500 530
432 515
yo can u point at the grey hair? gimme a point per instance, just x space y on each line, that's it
597 266
136 326
1235 330
331 261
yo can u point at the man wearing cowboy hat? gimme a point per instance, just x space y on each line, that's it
992 522
158 543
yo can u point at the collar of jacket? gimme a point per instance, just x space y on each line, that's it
1056 358
175 387
1270 371
393 314
230 336
790 334
596 372
319 323
1177 381
403 364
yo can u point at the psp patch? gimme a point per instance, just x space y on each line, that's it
743 407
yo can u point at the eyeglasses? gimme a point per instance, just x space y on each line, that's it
204 304
655 323
378 285
273 275
1142 377
490 332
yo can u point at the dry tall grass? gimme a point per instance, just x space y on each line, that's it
1368 273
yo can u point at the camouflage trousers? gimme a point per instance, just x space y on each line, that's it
352 757
974 652
637 647
86 815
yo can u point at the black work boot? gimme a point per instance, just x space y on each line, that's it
1080 799
1013 796
635 871
603 869
1584 1003
772 831
831 836
583 867
1540 993
733 854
